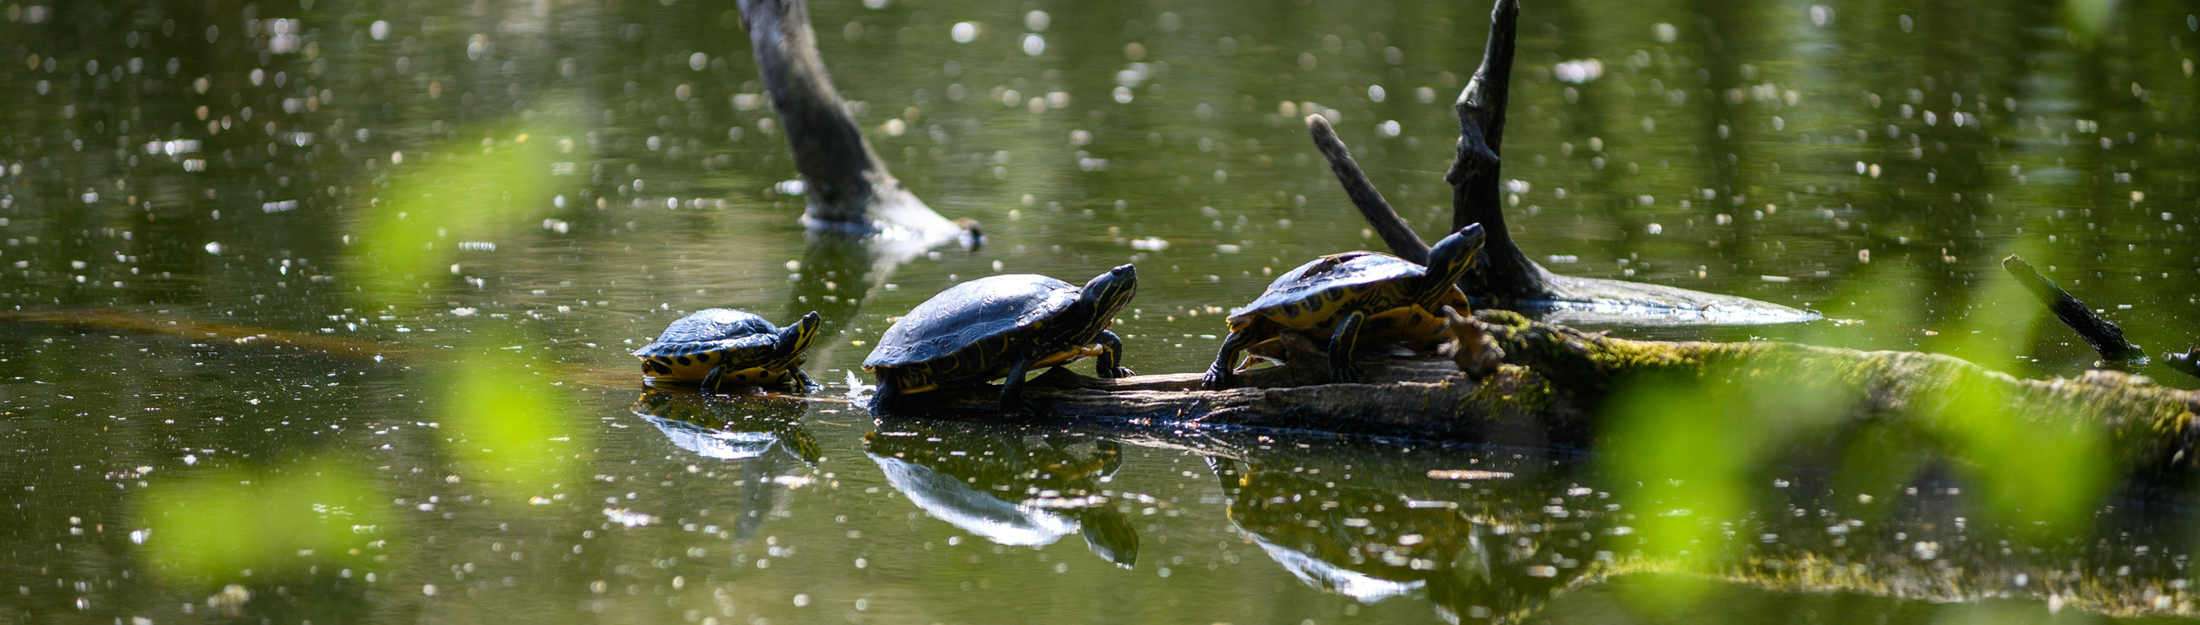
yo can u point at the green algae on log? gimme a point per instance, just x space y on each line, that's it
1557 382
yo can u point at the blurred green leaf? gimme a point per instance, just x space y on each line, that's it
507 424
222 523
1694 445
2031 476
470 191
2088 19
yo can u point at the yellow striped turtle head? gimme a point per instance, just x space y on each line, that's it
795 339
1109 292
1450 258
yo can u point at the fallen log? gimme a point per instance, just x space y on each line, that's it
1557 381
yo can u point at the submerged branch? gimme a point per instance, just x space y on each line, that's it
847 185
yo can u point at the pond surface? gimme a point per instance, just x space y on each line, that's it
319 310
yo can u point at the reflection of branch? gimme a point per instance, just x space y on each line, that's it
184 328
2106 339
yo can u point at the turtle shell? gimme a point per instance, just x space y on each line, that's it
1308 289
971 313
713 330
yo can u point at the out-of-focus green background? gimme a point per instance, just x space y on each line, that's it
318 310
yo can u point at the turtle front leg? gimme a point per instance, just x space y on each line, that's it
1341 345
889 386
1012 390
1218 374
710 380
1111 356
799 381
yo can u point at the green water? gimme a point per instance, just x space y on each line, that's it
319 309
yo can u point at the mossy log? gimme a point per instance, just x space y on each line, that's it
1556 381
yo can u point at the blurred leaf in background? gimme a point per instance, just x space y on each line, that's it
227 524
2033 476
463 196
504 415
2088 19
1689 452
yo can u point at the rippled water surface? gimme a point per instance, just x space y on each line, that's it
319 310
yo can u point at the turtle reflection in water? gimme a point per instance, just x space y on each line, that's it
722 346
1351 526
1008 487
763 435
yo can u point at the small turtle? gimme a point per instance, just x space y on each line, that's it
1353 295
988 328
721 346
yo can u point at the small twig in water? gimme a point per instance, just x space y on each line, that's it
2106 339
2186 362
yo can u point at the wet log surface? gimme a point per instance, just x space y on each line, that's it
1556 379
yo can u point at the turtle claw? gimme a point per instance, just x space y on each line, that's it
1022 408
1215 380
1349 374
800 382
711 380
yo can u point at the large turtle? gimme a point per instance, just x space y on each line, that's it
722 345
1351 296
997 326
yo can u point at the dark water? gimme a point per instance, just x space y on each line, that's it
318 310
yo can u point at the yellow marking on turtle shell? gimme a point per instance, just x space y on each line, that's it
912 383
754 375
1390 319
1411 326
1269 350
683 368
1069 355
1317 311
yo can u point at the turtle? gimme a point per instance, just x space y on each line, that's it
722 345
1001 326
1353 295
